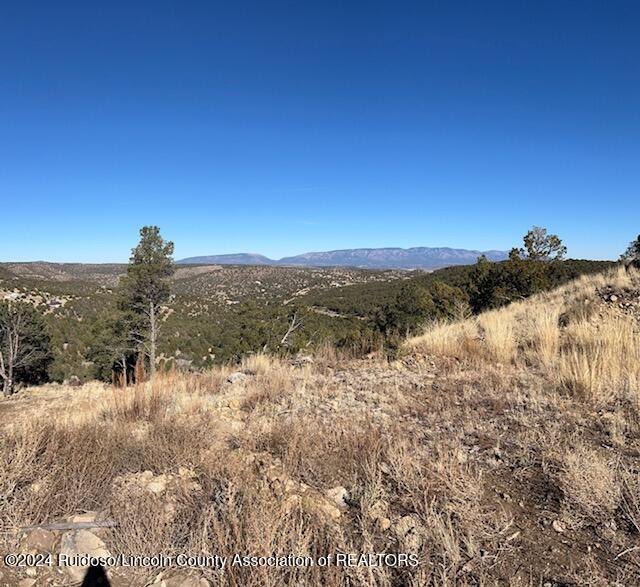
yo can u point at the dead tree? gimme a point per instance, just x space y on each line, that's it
293 326
24 345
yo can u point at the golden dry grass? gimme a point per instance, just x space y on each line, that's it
526 420
589 481
594 354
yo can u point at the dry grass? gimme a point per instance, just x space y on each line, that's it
466 464
545 334
589 481
591 351
602 359
446 339
498 336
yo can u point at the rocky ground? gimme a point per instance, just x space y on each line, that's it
488 472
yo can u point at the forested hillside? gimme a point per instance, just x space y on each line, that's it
218 314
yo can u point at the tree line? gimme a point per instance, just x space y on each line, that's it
126 337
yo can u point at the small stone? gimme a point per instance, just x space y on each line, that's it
339 496
146 475
186 473
613 298
237 377
157 485
558 526
383 524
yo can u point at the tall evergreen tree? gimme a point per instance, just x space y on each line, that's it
146 287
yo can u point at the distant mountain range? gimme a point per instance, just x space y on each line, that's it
387 258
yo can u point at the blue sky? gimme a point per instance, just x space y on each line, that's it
281 128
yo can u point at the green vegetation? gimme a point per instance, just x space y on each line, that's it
99 317
25 348
143 293
632 254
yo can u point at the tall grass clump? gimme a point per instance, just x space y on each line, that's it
546 334
499 335
601 360
448 339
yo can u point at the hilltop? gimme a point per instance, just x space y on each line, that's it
498 449
427 258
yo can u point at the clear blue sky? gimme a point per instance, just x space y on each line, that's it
280 128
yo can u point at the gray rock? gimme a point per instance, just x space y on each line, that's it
237 377
81 542
183 365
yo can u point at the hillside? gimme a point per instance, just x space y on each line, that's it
428 258
497 450
216 314
219 313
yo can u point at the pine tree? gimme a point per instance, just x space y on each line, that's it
633 251
146 288
541 246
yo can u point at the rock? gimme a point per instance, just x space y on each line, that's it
74 381
383 524
613 298
558 526
301 360
146 475
186 473
157 485
26 583
40 540
339 496
81 542
328 509
237 377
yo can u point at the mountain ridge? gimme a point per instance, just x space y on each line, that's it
370 258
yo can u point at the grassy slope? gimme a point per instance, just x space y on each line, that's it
501 450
